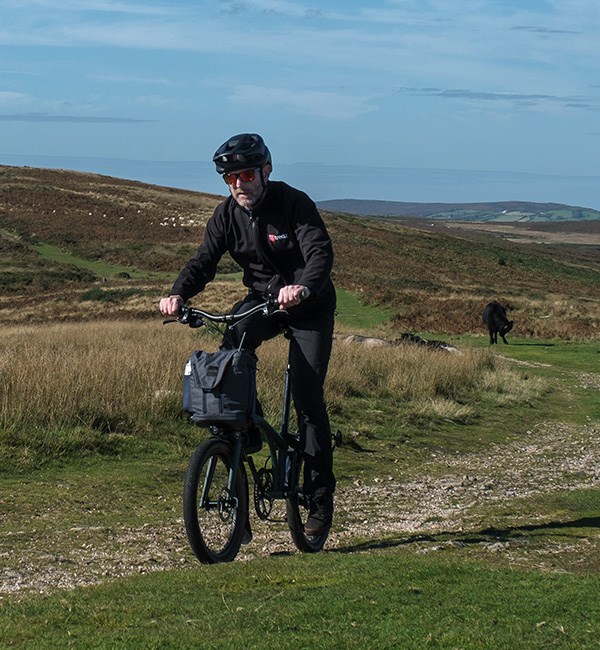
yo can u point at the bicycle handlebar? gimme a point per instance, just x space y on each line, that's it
195 317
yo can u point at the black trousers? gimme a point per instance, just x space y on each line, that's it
310 351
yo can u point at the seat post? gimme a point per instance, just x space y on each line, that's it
287 390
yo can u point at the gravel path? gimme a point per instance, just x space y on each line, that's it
450 495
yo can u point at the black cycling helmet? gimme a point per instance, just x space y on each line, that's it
242 151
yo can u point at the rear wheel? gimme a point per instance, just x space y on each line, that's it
298 510
215 516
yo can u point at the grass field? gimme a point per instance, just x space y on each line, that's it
391 599
473 531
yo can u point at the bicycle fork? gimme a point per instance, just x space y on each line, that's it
228 501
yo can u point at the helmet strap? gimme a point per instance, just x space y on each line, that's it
262 178
263 183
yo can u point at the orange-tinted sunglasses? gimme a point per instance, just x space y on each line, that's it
246 176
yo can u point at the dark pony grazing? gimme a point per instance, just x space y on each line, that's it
494 317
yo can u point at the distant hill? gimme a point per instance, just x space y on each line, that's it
82 246
504 211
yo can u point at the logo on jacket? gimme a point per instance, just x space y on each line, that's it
274 238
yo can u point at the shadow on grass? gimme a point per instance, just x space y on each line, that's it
486 535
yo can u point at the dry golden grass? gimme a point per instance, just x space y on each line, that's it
94 375
117 376
426 381
68 304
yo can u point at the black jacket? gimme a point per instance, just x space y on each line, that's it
283 240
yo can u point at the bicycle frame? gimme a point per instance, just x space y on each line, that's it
280 442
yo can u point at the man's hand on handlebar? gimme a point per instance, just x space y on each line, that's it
171 305
288 296
291 295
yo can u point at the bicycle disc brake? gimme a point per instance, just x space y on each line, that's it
226 505
262 484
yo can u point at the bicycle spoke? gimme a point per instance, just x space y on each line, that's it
215 520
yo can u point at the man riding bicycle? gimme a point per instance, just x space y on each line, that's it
276 234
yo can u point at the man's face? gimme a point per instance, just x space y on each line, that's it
247 192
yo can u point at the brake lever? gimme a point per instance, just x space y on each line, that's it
272 306
185 319
195 322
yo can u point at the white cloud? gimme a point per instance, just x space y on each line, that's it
64 119
8 97
310 102
130 79
335 60
105 6
287 8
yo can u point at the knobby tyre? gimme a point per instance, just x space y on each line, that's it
297 512
215 518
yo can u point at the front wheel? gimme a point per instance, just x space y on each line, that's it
297 512
215 515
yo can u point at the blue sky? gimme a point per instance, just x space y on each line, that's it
408 100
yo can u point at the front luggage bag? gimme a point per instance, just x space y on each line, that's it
219 388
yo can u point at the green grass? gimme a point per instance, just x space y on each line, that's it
566 363
101 268
567 355
557 532
112 295
352 312
387 599
98 497
98 267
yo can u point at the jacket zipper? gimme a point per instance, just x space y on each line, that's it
262 256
